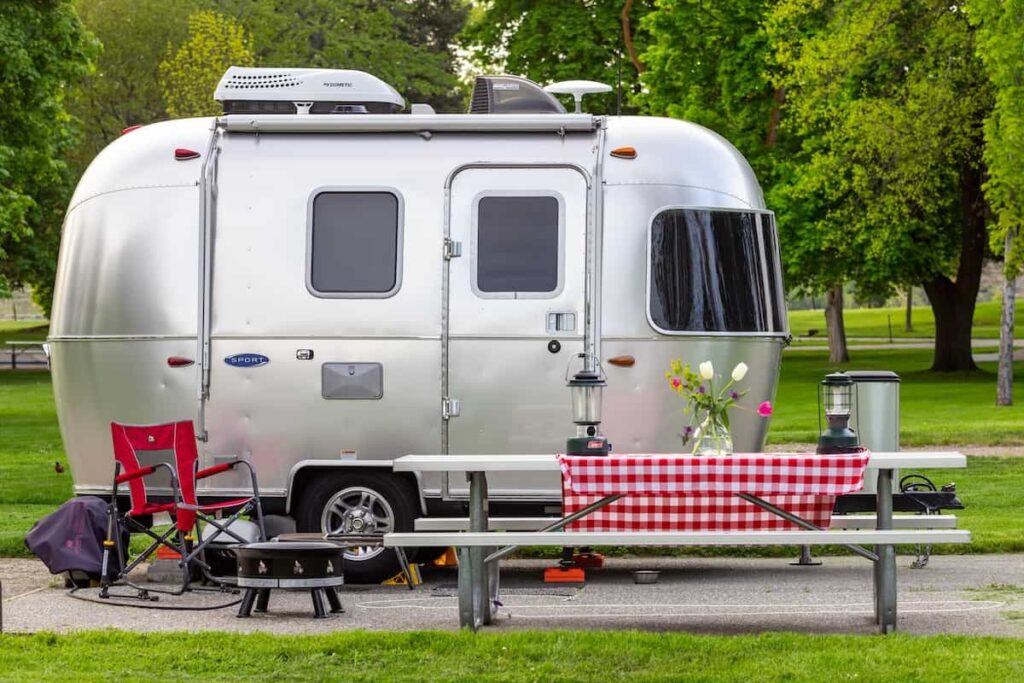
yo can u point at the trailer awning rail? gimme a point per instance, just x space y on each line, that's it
410 123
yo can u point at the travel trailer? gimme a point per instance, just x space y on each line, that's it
323 283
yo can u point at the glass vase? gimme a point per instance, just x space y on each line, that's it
712 437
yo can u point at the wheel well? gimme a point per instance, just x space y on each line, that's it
303 476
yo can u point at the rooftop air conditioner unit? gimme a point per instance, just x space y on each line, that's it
249 90
511 95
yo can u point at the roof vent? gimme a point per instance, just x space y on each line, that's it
246 90
511 95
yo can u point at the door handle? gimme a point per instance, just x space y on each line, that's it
560 321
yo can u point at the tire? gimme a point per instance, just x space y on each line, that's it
380 502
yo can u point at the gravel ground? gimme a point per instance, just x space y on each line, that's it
974 594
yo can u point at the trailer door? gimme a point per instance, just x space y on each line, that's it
515 310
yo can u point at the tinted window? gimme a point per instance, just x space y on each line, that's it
517 244
771 255
707 272
354 248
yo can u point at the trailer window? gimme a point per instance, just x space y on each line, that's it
517 246
715 271
354 244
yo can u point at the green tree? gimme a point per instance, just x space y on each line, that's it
44 49
124 90
888 99
190 76
712 63
378 37
1000 45
559 40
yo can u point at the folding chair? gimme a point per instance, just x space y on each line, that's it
184 508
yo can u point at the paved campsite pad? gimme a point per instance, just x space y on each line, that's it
970 594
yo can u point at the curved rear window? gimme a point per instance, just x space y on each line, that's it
715 271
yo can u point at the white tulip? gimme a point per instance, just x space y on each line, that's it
707 370
739 372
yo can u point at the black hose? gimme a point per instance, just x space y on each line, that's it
169 608
916 482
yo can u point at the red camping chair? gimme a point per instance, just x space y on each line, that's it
184 508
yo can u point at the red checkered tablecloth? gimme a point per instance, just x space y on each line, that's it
689 493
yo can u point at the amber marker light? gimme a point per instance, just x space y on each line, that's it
624 153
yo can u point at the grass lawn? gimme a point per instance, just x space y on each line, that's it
30 446
935 408
526 656
23 330
874 322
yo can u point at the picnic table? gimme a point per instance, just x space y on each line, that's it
754 479
18 348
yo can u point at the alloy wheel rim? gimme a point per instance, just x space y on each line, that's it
358 510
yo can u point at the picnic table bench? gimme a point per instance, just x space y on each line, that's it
478 547
18 348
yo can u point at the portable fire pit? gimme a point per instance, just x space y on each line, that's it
316 567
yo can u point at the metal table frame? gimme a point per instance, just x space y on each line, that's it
478 587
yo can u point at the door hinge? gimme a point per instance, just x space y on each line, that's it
450 407
452 249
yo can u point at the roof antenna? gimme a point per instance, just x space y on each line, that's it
618 87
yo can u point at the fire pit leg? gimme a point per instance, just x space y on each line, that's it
245 611
262 599
319 609
333 600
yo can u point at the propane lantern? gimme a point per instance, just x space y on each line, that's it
836 394
586 389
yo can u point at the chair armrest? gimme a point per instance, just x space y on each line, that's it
134 474
146 471
224 467
216 469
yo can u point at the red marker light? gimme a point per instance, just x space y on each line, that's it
179 361
129 129
182 154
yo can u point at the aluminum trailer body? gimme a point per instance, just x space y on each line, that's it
322 294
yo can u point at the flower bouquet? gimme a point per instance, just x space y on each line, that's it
708 408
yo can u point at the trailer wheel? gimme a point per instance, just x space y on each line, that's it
354 502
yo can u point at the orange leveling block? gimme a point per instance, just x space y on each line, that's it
570 567
165 553
564 573
449 559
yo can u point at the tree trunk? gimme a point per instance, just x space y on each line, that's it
1004 382
837 352
627 37
908 325
953 302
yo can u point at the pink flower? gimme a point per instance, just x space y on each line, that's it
676 382
765 409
